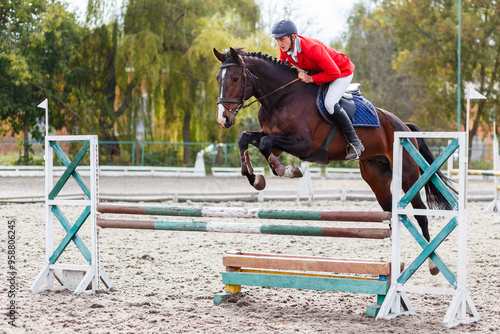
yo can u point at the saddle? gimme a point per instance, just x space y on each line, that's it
361 112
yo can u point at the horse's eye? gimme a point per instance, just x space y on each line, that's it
235 79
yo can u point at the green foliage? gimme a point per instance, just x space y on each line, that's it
15 74
146 70
167 46
371 47
426 35
8 159
39 43
94 80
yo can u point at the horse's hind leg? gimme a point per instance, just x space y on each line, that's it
283 143
411 174
377 172
254 138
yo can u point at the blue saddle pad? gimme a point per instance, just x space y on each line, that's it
364 116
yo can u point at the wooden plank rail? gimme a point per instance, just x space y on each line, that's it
305 272
238 260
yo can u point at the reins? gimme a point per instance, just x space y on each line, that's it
274 91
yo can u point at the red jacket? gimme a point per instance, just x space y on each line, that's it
327 63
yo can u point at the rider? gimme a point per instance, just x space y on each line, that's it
329 65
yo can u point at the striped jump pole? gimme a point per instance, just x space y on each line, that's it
478 172
495 204
221 212
248 228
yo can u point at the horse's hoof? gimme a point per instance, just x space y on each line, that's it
260 182
434 270
293 171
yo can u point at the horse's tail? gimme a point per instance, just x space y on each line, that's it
435 198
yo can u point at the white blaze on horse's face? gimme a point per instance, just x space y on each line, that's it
220 108
220 116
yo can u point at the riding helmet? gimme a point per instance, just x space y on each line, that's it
283 28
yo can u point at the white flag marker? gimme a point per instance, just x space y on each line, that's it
45 105
474 94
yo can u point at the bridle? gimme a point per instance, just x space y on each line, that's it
239 103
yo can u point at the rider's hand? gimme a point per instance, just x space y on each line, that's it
305 77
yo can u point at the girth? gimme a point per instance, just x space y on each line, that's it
321 155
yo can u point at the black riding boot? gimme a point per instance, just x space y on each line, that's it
355 147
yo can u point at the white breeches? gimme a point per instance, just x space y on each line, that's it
336 89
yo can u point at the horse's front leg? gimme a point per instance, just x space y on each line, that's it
257 181
287 144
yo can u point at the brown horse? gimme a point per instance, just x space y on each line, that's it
290 123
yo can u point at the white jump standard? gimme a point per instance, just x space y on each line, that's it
461 309
80 278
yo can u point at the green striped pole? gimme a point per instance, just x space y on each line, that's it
248 228
221 212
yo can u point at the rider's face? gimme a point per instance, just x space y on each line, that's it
284 43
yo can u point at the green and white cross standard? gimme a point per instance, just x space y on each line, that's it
85 275
462 309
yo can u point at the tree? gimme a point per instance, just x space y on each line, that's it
371 47
149 65
426 34
38 46
97 79
177 82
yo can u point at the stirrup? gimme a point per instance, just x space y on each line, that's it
353 154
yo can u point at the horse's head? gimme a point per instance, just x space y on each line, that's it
234 88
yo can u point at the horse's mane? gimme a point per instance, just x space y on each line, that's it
285 65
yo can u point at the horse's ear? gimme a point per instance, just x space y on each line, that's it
233 54
218 55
